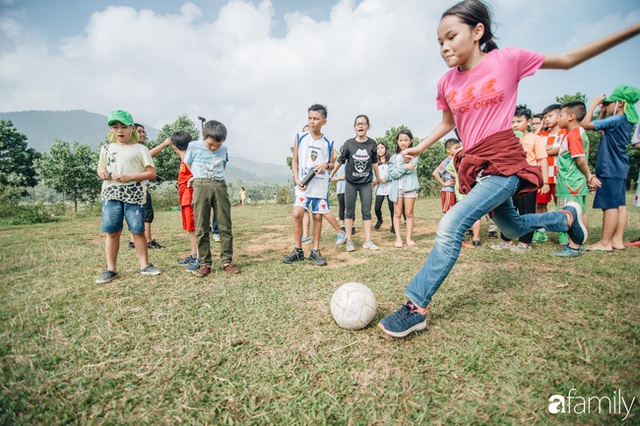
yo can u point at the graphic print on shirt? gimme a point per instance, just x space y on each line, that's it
360 159
473 99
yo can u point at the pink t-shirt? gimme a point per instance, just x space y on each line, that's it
483 100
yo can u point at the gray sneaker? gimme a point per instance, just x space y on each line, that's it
521 248
341 238
317 258
502 246
350 246
106 277
369 245
150 270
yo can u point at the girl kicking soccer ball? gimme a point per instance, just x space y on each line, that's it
478 97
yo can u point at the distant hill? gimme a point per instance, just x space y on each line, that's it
42 128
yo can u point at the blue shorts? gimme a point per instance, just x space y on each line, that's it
611 195
314 205
113 213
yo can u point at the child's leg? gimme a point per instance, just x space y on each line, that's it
397 216
142 250
378 209
527 206
112 245
623 216
202 195
341 208
475 228
408 210
390 204
222 209
485 196
134 215
298 215
193 244
306 221
366 197
317 230
350 194
333 222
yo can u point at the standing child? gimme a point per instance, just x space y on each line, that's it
404 186
207 161
492 154
447 194
574 177
536 152
122 166
361 158
180 141
635 141
312 152
552 135
617 117
384 185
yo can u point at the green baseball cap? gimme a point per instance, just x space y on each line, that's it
630 95
120 115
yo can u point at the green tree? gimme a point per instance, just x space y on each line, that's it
17 161
71 170
167 162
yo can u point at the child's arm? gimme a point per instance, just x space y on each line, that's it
577 56
583 165
156 150
148 174
294 164
445 126
436 175
544 164
587 122
395 170
377 172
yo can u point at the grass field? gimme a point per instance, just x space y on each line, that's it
507 331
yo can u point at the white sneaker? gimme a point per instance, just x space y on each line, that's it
521 248
350 246
369 245
502 246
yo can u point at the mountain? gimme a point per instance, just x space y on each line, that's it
42 128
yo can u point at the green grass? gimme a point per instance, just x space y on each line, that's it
506 331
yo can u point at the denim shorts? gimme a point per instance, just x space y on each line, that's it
113 213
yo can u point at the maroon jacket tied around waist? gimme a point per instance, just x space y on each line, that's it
500 154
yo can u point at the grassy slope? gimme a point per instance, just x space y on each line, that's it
506 331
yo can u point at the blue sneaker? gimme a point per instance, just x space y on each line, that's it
194 266
577 231
187 261
404 321
341 238
567 251
306 240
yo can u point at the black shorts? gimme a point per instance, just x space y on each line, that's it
148 209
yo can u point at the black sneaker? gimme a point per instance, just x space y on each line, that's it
378 224
493 234
477 243
106 277
295 256
317 258
404 321
353 230
131 245
154 245
392 230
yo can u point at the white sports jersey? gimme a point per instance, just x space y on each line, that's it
310 153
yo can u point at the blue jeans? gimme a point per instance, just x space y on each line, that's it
114 212
489 193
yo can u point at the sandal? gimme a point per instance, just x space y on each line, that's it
230 268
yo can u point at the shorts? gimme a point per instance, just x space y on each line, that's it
318 205
611 195
544 199
113 213
188 220
580 199
408 195
448 200
148 209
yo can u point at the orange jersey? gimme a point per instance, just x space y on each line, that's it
552 141
185 194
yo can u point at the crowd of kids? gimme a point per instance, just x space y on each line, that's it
507 164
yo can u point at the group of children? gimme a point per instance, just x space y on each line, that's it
477 97
125 164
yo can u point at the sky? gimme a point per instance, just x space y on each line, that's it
257 66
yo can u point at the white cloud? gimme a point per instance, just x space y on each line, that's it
374 57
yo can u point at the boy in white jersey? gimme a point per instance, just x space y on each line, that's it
312 151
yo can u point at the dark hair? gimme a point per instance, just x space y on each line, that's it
403 132
318 108
576 107
450 142
181 139
552 107
386 150
472 13
214 129
538 115
363 116
138 125
523 111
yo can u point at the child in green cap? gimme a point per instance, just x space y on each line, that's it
617 116
122 165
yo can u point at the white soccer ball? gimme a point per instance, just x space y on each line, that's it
353 306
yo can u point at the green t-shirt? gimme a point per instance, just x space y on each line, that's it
570 180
